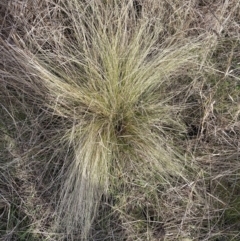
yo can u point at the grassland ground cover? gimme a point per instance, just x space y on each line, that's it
120 120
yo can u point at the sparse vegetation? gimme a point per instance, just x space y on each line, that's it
120 120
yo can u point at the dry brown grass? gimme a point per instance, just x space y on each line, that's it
120 120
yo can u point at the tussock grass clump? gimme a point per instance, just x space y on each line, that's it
97 92
110 80
111 83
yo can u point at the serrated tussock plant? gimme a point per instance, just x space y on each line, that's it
112 76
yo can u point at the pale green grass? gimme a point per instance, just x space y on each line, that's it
111 83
